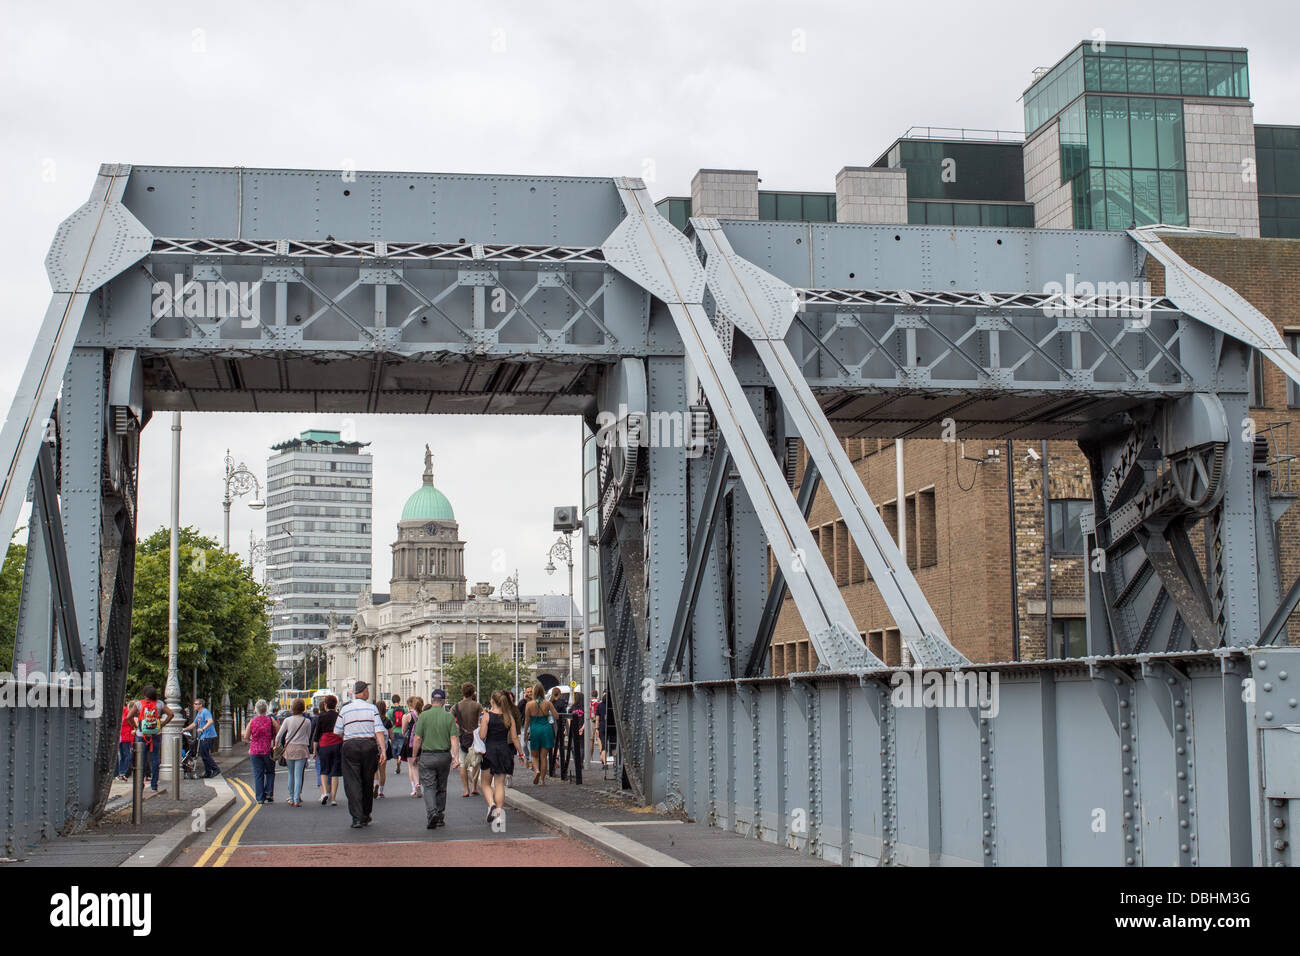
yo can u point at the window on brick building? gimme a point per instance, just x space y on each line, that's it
1067 538
893 655
927 531
1069 637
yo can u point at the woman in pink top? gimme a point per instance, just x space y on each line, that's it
260 734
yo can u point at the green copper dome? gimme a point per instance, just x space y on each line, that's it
428 503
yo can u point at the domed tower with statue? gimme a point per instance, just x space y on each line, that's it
428 555
403 641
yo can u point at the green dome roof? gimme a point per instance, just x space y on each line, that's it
428 504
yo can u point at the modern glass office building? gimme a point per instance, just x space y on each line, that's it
966 181
1121 113
318 536
1277 157
772 207
1116 135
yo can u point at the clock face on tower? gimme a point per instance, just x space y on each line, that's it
428 528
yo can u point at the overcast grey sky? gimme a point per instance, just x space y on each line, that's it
656 89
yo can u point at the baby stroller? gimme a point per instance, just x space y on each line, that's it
191 765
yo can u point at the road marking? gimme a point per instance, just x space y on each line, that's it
247 798
234 840
642 823
486 839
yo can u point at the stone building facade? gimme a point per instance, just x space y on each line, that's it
402 641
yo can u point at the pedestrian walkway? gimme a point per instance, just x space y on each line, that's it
599 800
277 834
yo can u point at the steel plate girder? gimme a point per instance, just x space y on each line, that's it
649 250
1217 304
756 302
515 303
92 245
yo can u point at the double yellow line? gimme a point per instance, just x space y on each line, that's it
244 814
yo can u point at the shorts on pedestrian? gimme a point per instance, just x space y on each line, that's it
331 761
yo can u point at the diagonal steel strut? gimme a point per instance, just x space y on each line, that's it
646 248
760 305
701 545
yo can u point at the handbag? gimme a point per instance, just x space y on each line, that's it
479 746
277 753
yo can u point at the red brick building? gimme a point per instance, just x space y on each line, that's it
958 515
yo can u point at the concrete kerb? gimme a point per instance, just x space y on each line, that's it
615 844
163 848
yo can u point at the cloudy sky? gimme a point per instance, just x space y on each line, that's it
656 89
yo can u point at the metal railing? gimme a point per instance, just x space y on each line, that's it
1285 478
963 133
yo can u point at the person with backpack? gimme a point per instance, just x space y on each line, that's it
396 717
381 773
407 727
467 713
149 716
295 735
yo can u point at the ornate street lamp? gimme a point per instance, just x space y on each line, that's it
563 550
509 591
239 482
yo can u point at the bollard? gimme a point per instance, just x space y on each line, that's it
176 768
137 786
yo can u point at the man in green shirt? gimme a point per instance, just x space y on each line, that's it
435 749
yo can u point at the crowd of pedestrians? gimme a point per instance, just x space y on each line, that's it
430 741
143 721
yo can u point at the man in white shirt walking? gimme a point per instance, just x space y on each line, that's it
364 739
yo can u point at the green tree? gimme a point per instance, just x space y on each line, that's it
308 670
11 584
494 673
223 619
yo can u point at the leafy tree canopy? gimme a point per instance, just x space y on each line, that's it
11 582
495 673
223 624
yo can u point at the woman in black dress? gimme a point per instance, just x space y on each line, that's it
498 731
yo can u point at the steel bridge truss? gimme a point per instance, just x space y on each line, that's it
397 292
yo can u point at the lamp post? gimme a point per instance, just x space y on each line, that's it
239 482
172 691
563 549
510 592
435 653
257 552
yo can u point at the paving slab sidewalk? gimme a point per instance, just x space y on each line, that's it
611 821
113 840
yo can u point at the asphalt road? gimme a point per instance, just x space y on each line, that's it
277 834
